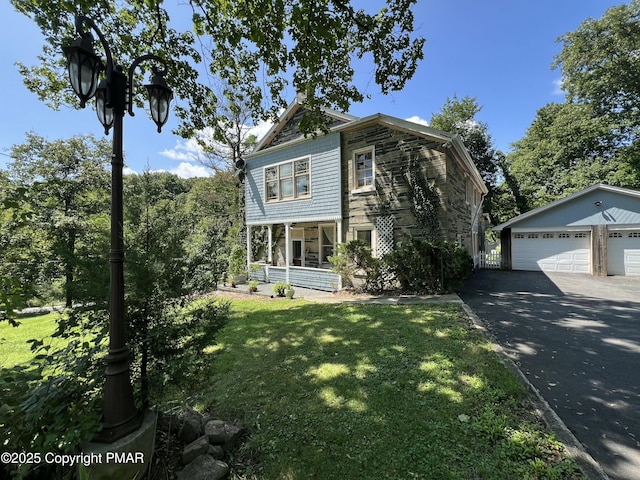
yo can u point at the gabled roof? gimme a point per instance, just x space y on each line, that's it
440 138
291 110
566 200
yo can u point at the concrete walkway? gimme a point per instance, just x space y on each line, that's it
266 289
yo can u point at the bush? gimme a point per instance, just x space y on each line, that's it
237 261
420 266
414 266
279 288
354 259
55 404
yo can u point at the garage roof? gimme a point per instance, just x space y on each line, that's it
597 205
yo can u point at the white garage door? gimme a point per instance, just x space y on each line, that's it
552 251
623 253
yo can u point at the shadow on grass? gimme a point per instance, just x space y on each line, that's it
369 391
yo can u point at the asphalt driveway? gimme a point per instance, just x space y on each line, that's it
577 339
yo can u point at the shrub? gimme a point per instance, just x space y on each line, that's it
237 261
55 404
421 266
253 286
353 259
279 288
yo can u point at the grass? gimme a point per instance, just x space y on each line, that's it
369 391
358 392
15 349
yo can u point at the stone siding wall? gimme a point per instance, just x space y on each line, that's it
393 149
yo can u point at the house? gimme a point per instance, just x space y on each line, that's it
369 178
596 230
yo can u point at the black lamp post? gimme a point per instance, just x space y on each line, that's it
114 95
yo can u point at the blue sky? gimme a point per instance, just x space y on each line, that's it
499 51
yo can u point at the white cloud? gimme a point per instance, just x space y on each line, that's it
189 170
191 151
557 87
418 120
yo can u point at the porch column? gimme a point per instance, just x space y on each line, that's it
249 251
287 249
269 252
338 242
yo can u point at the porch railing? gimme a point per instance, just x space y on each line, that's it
316 278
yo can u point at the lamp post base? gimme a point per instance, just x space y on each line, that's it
125 459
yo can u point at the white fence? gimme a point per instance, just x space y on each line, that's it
490 261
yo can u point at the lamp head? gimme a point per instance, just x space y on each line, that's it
160 96
84 66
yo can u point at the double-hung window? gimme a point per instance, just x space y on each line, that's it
364 169
288 180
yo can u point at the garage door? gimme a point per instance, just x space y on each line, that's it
623 253
552 251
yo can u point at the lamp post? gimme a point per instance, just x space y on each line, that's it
114 96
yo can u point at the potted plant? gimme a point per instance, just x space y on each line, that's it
279 288
253 286
289 292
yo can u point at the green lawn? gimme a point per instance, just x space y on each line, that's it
370 391
14 349
358 392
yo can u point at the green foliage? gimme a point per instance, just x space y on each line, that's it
425 201
594 136
566 149
280 288
459 116
353 259
237 260
54 404
63 185
252 47
414 266
253 286
176 343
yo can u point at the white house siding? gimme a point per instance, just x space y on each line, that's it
324 202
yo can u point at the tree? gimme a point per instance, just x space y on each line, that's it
458 116
600 66
67 235
567 148
258 48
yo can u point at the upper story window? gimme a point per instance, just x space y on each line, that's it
364 169
288 180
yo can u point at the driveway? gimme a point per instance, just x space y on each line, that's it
577 339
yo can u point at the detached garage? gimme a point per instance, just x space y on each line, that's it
596 230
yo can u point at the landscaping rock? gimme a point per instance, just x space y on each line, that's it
222 433
195 449
191 427
204 467
216 451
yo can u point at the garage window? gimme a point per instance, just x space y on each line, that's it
615 235
532 235
519 235
580 235
564 235
547 235
634 235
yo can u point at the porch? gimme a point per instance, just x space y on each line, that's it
297 253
